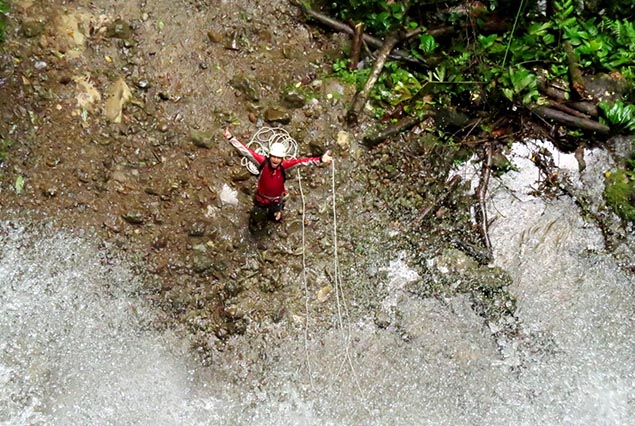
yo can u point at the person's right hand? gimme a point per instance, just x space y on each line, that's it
228 134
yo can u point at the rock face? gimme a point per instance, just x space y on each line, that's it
115 126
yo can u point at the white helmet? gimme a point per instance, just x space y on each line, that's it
278 150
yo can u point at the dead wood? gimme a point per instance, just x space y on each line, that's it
570 120
362 96
486 170
585 107
395 128
567 109
562 96
357 45
575 75
343 28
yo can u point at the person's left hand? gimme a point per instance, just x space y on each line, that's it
326 157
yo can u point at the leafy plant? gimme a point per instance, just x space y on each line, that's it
3 10
355 77
619 116
379 16
522 85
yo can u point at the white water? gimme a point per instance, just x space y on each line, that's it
77 347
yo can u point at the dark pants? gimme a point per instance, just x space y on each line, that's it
261 213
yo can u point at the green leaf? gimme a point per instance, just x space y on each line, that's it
427 43
486 42
19 185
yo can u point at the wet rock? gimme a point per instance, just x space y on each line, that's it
343 140
246 86
277 114
500 163
334 89
202 263
382 319
240 175
118 95
162 126
324 293
197 229
53 162
49 191
134 217
450 119
232 289
32 29
119 29
214 37
606 87
202 139
294 99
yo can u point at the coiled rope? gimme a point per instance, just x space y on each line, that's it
262 140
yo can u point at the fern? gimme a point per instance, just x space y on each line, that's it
624 32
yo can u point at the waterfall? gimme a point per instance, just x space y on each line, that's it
78 345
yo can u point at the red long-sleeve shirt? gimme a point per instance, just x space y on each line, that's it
271 180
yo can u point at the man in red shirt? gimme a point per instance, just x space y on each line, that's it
270 192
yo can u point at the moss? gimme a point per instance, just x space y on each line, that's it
619 193
5 144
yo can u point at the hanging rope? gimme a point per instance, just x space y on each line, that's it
342 309
262 140
339 292
306 287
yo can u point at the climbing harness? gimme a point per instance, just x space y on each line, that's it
263 139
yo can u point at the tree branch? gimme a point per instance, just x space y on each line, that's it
361 97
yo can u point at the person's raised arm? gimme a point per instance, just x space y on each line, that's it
251 155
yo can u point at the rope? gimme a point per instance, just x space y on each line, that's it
306 287
262 141
339 292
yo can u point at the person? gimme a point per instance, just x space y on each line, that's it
271 193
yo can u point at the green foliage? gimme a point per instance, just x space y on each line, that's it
354 77
490 68
3 10
619 116
5 144
396 86
521 85
619 193
379 16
